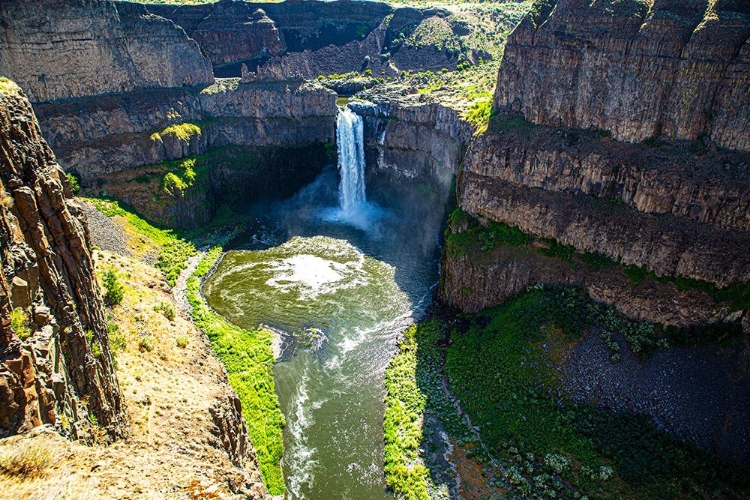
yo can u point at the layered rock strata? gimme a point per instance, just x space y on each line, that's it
677 69
411 137
678 206
55 362
71 48
102 135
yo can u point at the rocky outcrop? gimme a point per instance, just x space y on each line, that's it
678 70
71 48
412 137
687 180
98 136
55 362
474 280
228 32
678 206
667 245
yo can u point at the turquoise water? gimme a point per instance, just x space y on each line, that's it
339 294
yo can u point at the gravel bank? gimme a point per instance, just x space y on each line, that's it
696 393
105 234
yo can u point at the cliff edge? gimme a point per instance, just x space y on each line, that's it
55 362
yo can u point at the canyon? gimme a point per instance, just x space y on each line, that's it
612 159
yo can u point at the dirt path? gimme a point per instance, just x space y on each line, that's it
179 291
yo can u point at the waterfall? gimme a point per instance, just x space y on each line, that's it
350 141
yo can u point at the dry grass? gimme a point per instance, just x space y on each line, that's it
26 462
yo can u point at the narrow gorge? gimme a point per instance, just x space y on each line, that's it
367 250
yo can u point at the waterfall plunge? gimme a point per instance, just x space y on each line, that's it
350 141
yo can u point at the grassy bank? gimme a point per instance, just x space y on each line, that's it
246 355
249 360
501 365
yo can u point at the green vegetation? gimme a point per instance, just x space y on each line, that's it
181 131
249 361
75 186
113 289
501 366
479 114
173 251
146 343
413 380
466 235
167 309
117 340
19 323
177 181
8 86
465 231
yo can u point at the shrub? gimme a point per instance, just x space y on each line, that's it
146 343
183 341
19 323
75 186
166 309
368 72
114 291
479 114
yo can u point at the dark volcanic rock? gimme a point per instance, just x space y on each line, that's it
70 48
678 70
52 373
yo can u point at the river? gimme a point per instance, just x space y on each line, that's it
338 278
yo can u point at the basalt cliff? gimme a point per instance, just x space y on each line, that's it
622 140
56 366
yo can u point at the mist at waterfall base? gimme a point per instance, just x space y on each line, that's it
338 283
353 207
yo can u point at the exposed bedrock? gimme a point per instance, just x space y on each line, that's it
688 180
55 49
666 245
307 39
55 362
472 282
231 175
679 69
408 140
98 136
227 32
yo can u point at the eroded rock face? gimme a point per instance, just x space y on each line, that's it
706 186
411 137
55 362
228 32
102 135
679 69
55 49
677 207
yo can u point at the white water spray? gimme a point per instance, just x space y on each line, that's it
350 141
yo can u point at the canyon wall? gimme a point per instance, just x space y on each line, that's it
101 135
310 38
70 48
412 139
559 164
679 69
118 87
55 362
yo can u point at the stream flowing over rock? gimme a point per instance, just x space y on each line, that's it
55 367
